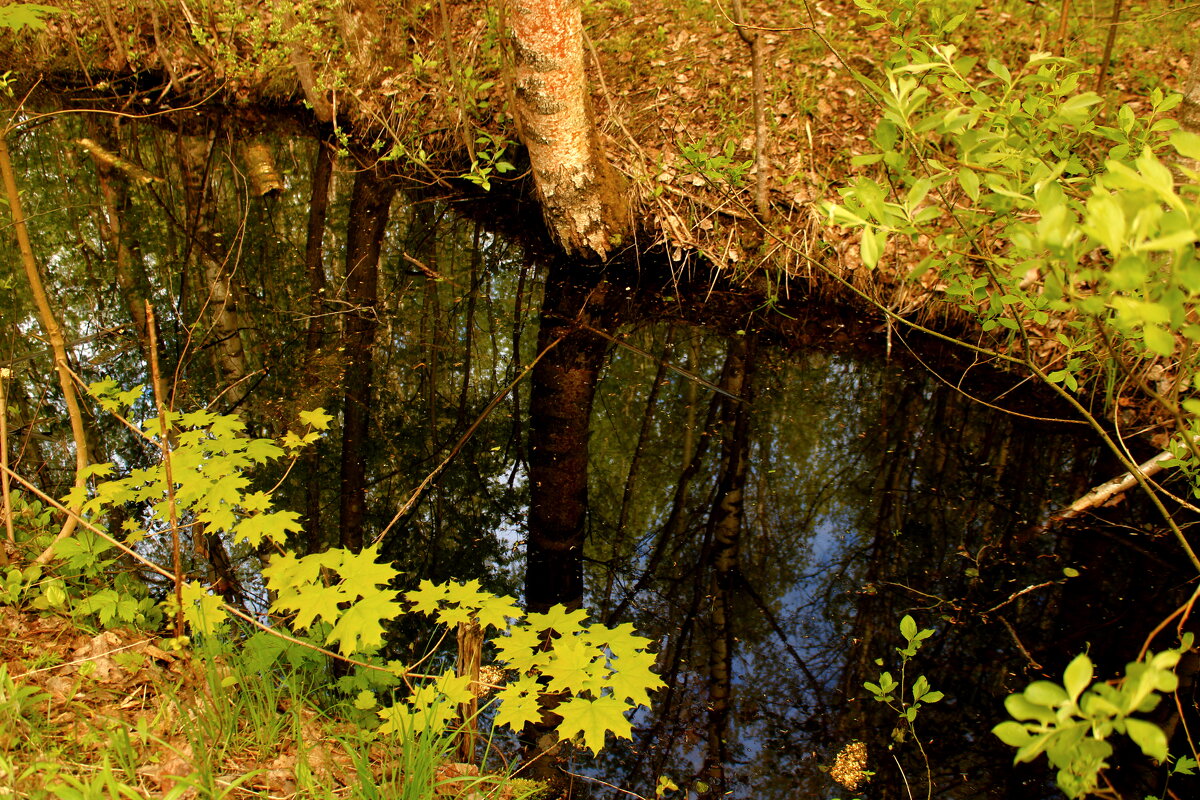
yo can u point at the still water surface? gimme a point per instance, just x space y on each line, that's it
766 498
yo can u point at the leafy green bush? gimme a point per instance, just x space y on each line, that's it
1034 215
1071 723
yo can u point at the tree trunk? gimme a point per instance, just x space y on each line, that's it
53 334
582 201
1189 110
369 204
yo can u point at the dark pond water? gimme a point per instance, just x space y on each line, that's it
764 495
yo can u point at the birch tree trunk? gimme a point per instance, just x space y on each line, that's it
582 201
724 530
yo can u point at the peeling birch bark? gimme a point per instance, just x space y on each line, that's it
581 196
1106 491
1102 494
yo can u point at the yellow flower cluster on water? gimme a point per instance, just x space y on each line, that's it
850 767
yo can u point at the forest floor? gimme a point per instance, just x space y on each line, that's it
93 712
113 708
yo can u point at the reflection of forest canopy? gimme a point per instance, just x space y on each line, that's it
430 381
871 492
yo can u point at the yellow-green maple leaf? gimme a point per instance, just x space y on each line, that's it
260 450
519 703
452 603
573 666
274 525
497 611
255 502
427 597
449 689
360 571
401 721
592 718
313 602
521 649
632 679
455 615
359 629
286 572
622 636
316 418
204 612
558 619
430 708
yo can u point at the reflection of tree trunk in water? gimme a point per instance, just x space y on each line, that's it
617 546
691 393
196 157
562 389
469 325
132 284
725 524
221 297
671 538
563 386
727 421
369 204
314 338
518 441
671 533
432 317
421 243
899 420
124 248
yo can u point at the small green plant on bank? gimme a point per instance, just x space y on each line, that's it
719 168
19 705
489 160
103 785
1071 723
